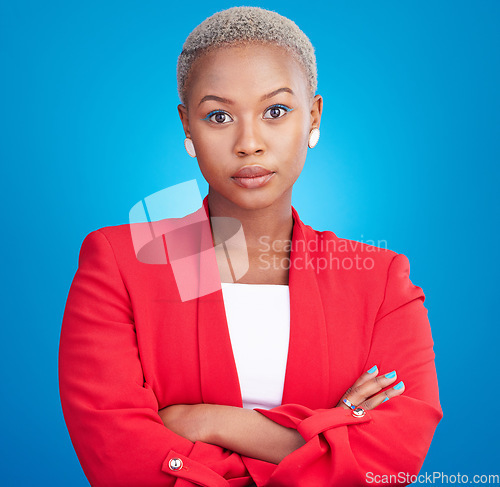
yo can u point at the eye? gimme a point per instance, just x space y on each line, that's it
277 111
219 117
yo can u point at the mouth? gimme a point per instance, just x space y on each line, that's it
252 176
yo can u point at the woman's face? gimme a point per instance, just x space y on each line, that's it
250 107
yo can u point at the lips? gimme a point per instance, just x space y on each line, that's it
252 172
252 177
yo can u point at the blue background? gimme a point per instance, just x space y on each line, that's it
408 155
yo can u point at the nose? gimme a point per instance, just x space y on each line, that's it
249 139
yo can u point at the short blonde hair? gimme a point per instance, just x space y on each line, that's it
238 25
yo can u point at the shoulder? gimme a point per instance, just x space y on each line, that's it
115 236
120 243
360 269
146 242
360 255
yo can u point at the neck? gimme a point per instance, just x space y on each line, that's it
274 222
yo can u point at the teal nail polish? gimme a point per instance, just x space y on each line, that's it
391 375
399 385
386 399
373 369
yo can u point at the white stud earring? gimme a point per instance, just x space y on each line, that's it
313 137
188 144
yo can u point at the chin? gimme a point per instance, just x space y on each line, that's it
254 203
255 199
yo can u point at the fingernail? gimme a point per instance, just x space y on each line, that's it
373 369
386 399
391 375
399 385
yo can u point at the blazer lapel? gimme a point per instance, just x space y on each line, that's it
219 376
307 370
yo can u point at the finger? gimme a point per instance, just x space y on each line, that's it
369 374
365 377
359 394
384 396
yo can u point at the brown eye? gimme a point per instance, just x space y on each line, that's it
218 117
277 111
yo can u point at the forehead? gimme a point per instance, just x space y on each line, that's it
246 70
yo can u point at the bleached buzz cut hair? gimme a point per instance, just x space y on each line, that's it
243 25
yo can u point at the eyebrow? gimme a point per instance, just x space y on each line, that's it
229 102
275 92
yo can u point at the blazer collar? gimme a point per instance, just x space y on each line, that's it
307 370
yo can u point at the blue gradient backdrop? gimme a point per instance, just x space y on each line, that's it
408 155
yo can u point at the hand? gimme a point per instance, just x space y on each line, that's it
188 420
365 392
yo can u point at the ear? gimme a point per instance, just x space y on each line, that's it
183 113
316 110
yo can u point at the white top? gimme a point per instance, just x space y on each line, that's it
258 317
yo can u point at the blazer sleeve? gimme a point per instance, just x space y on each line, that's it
111 413
391 439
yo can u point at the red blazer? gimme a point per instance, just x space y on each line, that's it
130 346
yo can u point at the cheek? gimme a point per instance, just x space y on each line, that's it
298 156
293 143
296 133
209 138
205 142
284 145
212 150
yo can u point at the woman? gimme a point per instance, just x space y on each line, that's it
324 341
